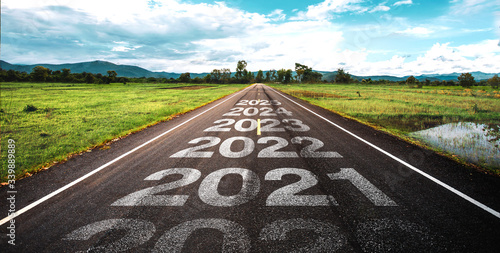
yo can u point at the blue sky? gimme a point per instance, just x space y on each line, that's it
364 37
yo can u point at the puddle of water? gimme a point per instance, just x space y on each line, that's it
476 143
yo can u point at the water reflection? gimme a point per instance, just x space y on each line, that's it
476 143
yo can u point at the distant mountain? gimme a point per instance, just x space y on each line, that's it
94 67
102 67
478 76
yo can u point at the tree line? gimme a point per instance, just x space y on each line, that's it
465 80
303 74
218 76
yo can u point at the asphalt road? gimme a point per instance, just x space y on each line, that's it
257 171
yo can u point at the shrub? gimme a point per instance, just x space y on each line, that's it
494 81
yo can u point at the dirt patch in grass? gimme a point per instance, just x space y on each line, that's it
199 87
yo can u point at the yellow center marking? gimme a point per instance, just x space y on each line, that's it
258 126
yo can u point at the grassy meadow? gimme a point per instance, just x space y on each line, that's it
50 121
401 110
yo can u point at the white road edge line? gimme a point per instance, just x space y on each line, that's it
54 193
435 180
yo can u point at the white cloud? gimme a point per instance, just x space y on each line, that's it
477 30
416 31
380 8
440 58
472 7
326 9
404 2
121 49
277 15
124 47
314 43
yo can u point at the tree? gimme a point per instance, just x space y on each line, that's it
185 77
89 78
260 77
288 76
466 80
13 75
241 70
66 75
196 80
306 74
111 76
207 78
280 75
303 72
248 76
226 75
411 80
123 80
268 76
300 70
273 75
216 75
342 76
40 74
315 77
112 73
494 81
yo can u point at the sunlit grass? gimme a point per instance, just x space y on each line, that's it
73 117
402 109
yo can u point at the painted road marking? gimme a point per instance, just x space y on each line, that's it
258 126
435 180
54 193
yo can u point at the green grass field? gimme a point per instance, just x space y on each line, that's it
400 110
72 118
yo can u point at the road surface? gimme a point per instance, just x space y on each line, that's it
257 171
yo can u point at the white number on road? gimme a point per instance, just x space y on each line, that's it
375 195
248 147
272 126
239 126
249 189
147 197
221 127
138 232
271 152
253 111
286 196
267 125
235 237
311 150
329 239
236 111
267 112
258 102
194 153
225 149
296 125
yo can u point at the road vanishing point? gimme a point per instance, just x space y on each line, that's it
256 171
